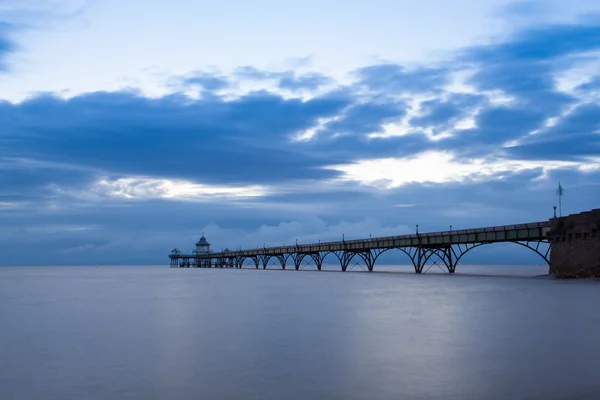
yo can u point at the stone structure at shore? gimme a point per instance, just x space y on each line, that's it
575 240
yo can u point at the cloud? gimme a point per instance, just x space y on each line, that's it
523 68
7 46
33 13
397 79
313 230
258 156
205 80
207 140
58 229
148 188
443 113
439 167
363 119
576 136
525 9
288 80
591 85
307 81
17 16
540 43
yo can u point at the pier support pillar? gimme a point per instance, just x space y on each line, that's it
575 241
447 251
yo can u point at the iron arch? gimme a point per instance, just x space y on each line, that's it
411 252
300 257
243 259
279 257
458 255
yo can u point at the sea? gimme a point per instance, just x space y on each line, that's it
152 332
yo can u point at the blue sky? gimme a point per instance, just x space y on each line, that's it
129 128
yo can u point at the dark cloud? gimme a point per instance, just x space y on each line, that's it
572 148
523 68
26 181
349 148
441 113
365 118
532 77
530 84
591 85
542 43
495 126
584 119
575 136
245 140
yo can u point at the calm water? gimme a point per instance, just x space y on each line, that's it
159 333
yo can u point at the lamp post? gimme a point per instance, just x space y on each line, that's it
554 211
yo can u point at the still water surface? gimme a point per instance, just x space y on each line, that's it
159 333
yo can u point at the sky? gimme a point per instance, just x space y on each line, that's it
130 128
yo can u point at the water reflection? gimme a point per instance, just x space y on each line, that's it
145 332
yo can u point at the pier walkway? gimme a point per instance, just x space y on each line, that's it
442 248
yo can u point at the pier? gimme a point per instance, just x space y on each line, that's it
572 241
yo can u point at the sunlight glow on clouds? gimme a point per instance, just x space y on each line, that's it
148 188
59 229
442 167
